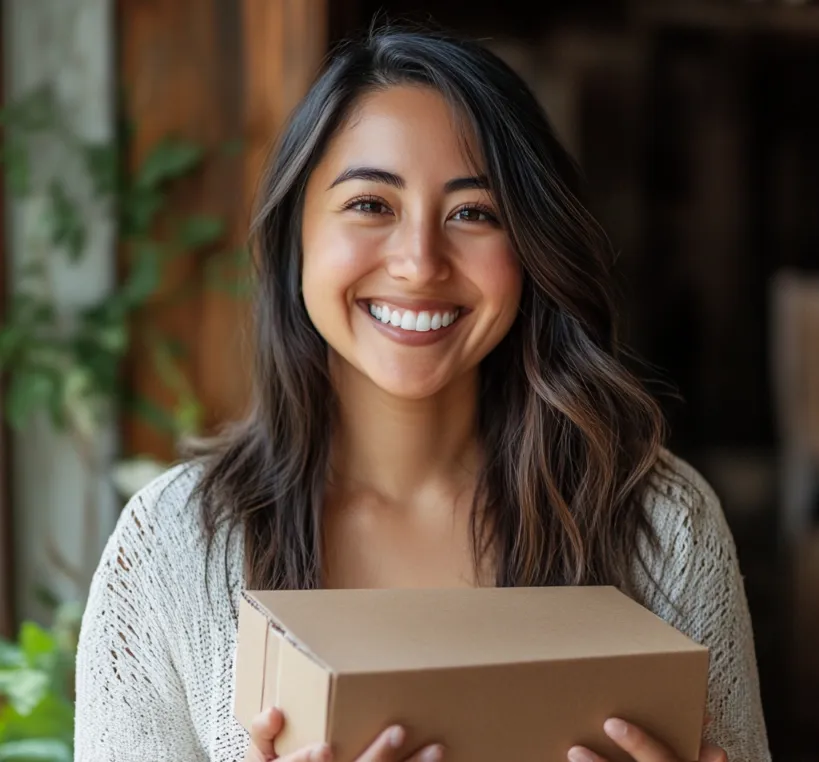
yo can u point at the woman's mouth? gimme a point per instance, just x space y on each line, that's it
413 320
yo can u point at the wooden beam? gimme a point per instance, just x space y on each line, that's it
284 43
212 71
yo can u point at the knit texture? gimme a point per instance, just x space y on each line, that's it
156 653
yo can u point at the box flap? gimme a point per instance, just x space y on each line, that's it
249 679
406 629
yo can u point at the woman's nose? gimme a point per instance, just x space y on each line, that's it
419 256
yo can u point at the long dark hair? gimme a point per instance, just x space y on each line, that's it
569 436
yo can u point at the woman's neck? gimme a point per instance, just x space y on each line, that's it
399 448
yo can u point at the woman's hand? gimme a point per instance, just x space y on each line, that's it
641 746
388 747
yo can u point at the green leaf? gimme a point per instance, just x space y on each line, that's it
32 112
46 597
11 655
36 750
200 230
34 269
139 208
30 390
144 277
39 646
18 171
150 412
101 163
80 400
12 340
188 416
68 228
53 717
171 158
25 688
177 348
113 338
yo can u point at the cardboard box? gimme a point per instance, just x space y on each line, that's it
512 674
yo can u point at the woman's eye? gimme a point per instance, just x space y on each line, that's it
473 214
369 206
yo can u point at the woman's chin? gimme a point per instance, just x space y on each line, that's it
408 386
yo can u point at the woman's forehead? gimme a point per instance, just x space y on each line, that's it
410 126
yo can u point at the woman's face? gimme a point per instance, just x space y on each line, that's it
407 273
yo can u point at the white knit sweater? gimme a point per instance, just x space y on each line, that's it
155 663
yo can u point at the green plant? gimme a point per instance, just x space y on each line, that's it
37 691
65 360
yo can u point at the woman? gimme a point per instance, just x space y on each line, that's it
438 402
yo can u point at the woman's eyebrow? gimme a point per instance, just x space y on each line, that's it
375 175
478 182
369 173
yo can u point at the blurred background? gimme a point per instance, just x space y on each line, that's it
133 137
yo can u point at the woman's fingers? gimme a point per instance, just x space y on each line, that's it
711 753
582 754
639 744
390 747
433 753
263 731
318 753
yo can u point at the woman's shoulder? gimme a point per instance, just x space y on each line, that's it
165 511
694 543
158 536
679 500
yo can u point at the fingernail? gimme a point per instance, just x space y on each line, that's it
396 736
579 754
615 728
433 754
320 753
711 753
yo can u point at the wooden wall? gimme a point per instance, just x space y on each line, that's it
213 71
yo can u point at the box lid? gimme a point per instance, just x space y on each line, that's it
355 631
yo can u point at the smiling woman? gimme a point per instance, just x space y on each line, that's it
438 403
399 223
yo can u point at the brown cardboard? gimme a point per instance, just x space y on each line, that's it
513 674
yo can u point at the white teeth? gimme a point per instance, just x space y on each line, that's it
408 320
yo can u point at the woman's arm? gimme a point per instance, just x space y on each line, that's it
703 595
131 704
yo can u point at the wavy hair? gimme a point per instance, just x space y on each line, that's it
569 435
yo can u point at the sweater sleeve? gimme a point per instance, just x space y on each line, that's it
702 594
131 704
